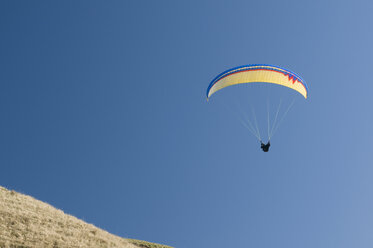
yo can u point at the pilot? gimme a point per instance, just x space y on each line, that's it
265 147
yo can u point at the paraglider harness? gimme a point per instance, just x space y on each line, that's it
265 147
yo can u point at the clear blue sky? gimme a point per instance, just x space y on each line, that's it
103 115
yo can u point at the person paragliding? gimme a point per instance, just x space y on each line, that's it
259 73
265 147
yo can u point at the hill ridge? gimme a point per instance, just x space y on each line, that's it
26 222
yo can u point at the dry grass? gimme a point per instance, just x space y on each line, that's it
26 222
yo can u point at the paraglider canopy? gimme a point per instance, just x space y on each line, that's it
259 73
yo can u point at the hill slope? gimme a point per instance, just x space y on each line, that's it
27 222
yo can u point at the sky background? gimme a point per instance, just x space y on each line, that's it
103 115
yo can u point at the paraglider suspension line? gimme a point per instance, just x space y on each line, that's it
283 117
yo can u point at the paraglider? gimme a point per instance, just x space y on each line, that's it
259 73
265 147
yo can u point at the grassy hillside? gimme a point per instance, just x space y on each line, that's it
26 222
